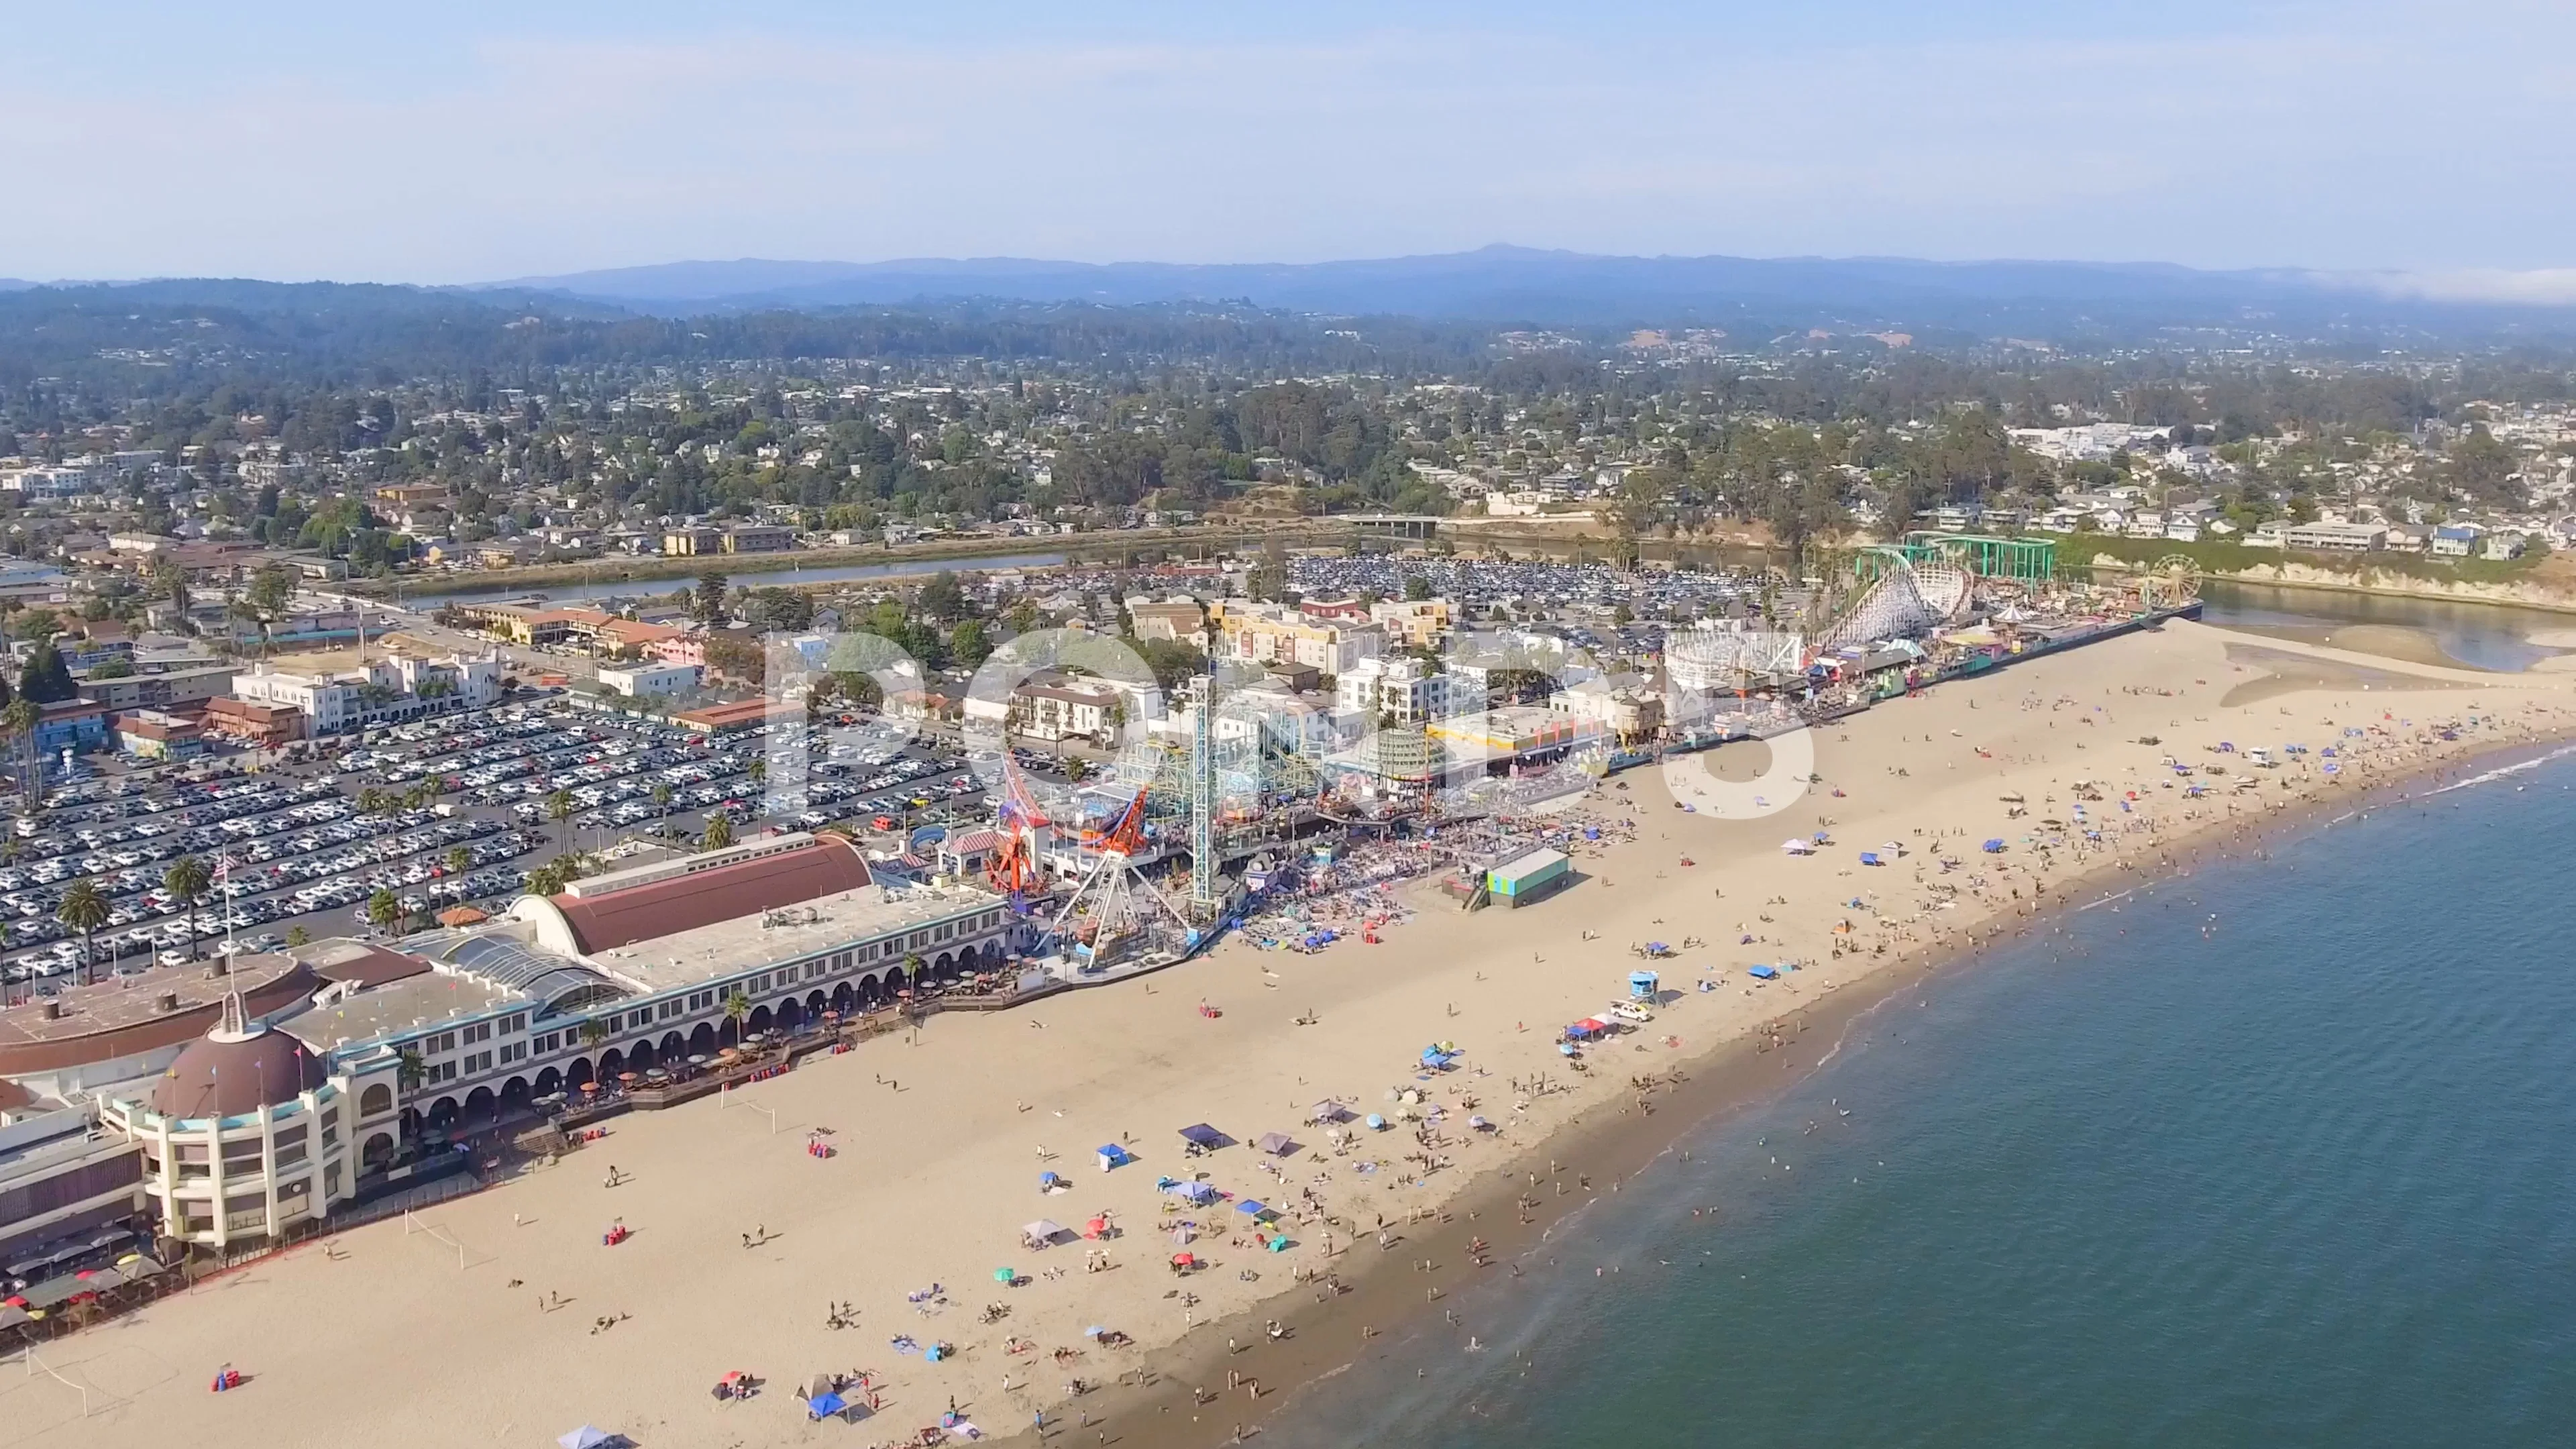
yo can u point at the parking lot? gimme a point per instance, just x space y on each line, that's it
461 812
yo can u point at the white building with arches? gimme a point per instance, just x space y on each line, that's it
626 971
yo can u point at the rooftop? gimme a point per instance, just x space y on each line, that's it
134 997
422 1000
647 901
725 947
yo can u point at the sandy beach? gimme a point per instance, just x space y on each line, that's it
378 1335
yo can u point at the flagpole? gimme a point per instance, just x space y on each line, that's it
224 873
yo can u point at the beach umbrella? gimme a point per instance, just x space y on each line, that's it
1006 1275
588 1436
1094 1331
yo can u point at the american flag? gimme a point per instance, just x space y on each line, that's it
223 868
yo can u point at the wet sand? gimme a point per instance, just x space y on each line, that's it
941 1138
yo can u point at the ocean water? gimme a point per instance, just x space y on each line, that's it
2281 1153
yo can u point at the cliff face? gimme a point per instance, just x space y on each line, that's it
2547 586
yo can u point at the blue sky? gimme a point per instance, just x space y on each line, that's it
463 142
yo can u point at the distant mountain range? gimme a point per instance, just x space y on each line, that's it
1507 283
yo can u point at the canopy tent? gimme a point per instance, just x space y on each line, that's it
11 1316
1798 847
1042 1232
1274 1144
1191 1192
1763 973
1255 1209
1202 1135
1994 847
1870 857
588 1436
1329 1111
1048 1182
824 1406
1113 1155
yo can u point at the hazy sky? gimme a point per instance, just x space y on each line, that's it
463 141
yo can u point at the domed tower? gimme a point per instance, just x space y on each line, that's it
244 1136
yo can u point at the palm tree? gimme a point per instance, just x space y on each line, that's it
19 723
459 861
83 910
719 832
371 801
187 878
736 1007
559 810
409 1070
593 1032
662 806
298 936
383 910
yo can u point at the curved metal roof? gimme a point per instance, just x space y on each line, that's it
561 985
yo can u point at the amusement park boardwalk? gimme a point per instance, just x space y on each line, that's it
743 1240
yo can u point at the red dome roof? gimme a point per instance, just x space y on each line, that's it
234 1070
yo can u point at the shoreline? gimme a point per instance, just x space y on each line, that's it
946 1142
1331 1335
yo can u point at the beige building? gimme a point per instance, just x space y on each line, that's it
1267 634
245 1137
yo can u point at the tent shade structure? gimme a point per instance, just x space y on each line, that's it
1529 877
1274 1144
824 1406
1255 1209
1329 1111
1042 1232
1204 1137
1994 847
1196 1193
1048 1181
586 1437
1870 857
1763 973
1113 1155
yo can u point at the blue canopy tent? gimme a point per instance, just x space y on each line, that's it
1203 1138
1994 847
1049 1182
1195 1193
1763 973
1255 1209
1113 1155
1870 857
824 1406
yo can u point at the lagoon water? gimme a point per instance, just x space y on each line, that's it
2280 1153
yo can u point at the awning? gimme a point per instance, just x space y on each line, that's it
1204 1135
1043 1231
1274 1144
